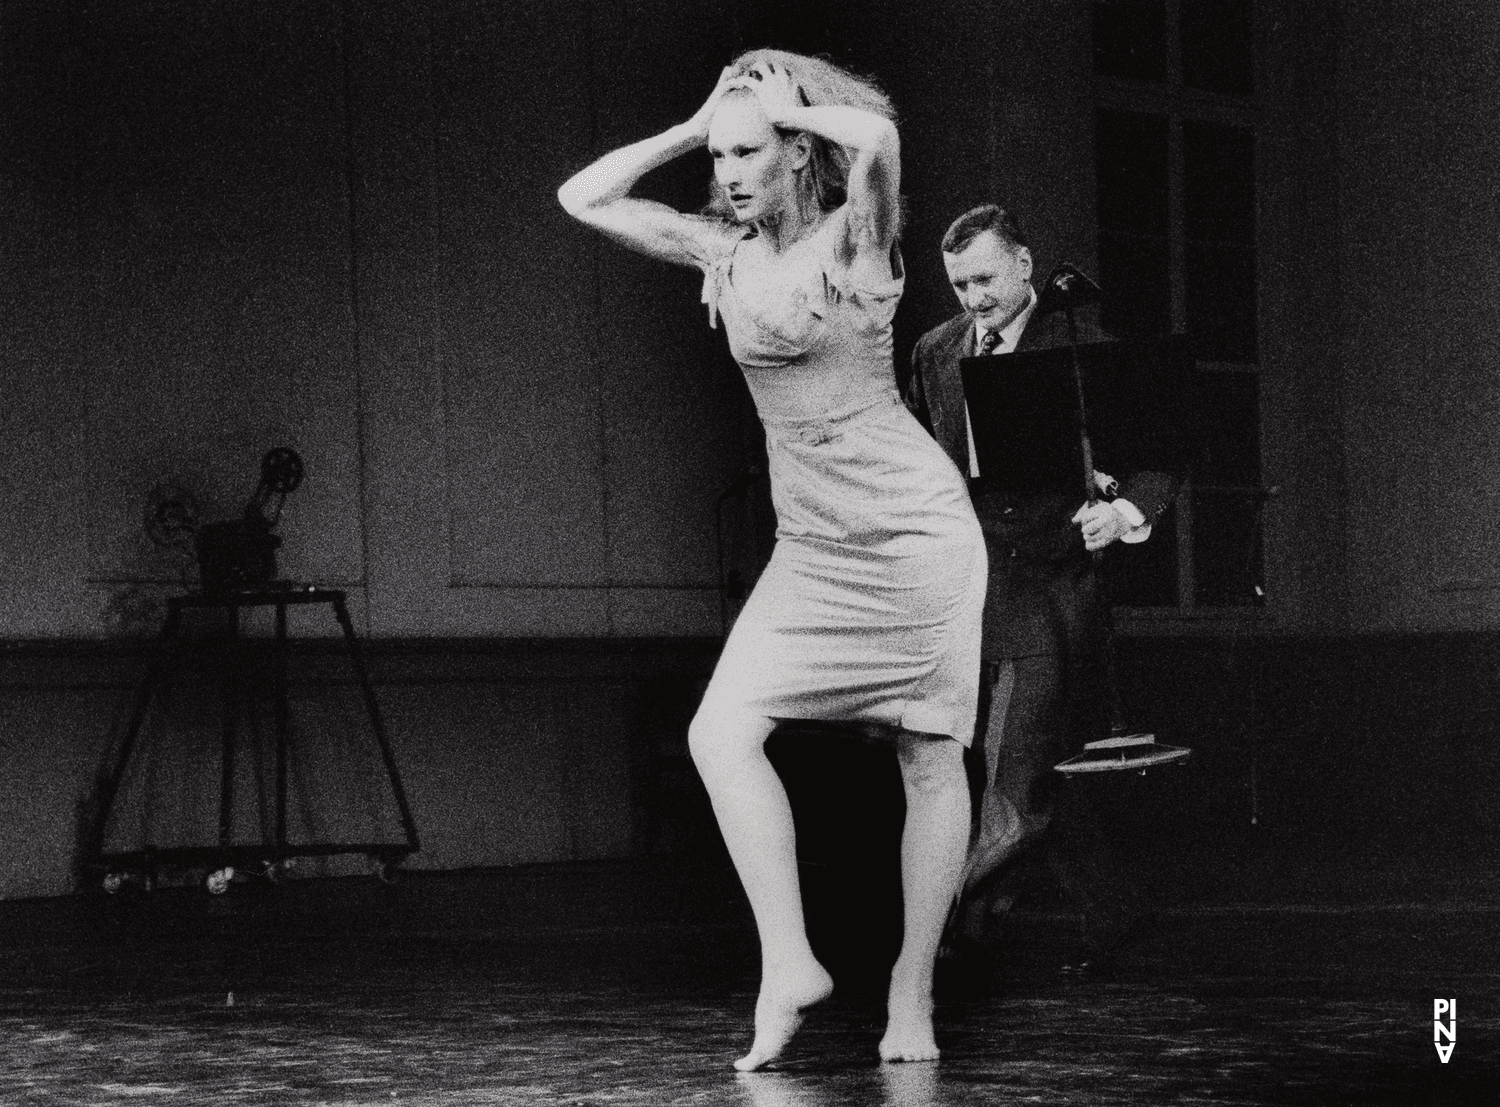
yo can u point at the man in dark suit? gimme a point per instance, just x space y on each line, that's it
1043 621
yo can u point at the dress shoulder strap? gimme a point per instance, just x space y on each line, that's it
717 262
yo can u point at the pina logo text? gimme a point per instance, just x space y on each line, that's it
1444 1034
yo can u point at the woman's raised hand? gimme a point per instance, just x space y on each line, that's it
778 94
704 115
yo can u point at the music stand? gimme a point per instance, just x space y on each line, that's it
1032 430
1023 409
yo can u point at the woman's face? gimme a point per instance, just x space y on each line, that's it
753 164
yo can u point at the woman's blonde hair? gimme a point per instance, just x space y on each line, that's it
818 82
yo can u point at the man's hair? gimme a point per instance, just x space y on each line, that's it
986 217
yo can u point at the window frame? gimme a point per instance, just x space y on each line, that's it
1179 104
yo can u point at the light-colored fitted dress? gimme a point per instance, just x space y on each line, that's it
870 606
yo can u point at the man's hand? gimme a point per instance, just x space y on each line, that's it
1102 524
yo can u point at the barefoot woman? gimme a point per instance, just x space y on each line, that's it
869 607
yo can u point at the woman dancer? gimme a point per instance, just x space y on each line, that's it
870 606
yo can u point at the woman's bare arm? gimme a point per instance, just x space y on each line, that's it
874 186
599 194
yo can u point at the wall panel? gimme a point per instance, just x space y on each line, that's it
516 354
1463 271
1301 382
680 421
43 492
1417 210
212 205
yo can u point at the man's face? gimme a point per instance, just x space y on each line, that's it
992 281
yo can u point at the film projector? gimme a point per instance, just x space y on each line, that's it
234 554
236 568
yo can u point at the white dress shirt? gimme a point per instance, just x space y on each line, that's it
1010 334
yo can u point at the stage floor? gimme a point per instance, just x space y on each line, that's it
633 983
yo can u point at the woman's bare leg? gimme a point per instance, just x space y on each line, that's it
933 844
756 821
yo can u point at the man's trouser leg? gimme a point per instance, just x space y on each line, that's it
1020 745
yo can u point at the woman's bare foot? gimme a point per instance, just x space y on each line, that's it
908 1031
784 996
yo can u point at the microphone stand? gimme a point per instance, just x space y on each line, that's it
1067 289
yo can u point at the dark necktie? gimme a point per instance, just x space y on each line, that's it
988 343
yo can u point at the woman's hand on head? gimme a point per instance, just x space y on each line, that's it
778 94
704 116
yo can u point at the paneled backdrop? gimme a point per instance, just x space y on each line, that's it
332 225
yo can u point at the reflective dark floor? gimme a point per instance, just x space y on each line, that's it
1290 981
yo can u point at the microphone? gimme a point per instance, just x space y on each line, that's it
1066 288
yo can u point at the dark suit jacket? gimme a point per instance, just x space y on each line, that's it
1042 592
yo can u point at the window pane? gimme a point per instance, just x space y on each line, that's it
1218 182
1134 273
1217 40
1228 419
1144 574
1221 302
1131 160
1130 39
1227 549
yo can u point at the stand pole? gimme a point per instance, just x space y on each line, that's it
357 661
279 692
165 647
227 744
1091 494
1090 486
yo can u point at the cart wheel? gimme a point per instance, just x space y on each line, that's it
387 872
218 881
115 883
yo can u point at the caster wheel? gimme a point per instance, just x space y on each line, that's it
115 883
387 872
218 881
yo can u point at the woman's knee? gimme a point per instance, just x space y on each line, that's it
716 734
931 763
702 736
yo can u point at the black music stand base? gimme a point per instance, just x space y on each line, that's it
270 857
